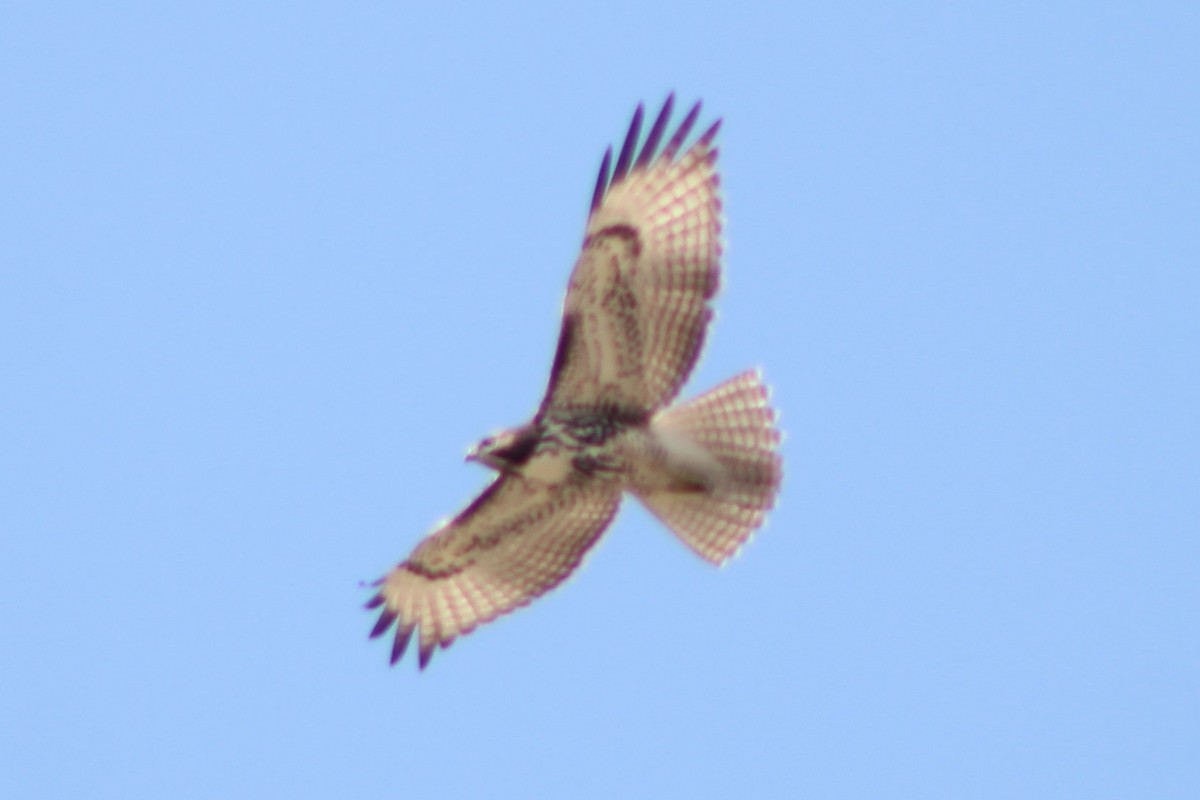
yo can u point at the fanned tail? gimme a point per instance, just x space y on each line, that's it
722 451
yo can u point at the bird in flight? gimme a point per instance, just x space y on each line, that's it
634 320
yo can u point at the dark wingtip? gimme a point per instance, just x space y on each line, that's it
626 157
711 133
400 644
656 133
374 602
423 657
631 158
685 128
602 180
384 622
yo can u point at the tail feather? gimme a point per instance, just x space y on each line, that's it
726 442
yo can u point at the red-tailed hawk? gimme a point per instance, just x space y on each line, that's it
634 320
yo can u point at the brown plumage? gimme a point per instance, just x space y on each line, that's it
635 316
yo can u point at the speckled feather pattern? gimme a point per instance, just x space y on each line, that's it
640 294
492 558
635 317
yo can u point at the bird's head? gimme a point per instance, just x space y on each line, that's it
506 451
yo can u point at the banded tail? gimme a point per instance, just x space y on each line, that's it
723 445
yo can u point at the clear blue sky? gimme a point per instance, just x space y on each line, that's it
266 273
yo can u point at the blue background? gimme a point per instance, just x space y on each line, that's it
267 271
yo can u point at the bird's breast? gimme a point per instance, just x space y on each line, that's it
551 464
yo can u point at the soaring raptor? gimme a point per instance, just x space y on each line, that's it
634 320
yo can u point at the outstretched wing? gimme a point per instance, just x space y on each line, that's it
637 306
516 541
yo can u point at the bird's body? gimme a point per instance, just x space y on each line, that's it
628 451
634 321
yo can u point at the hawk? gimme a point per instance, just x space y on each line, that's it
634 320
